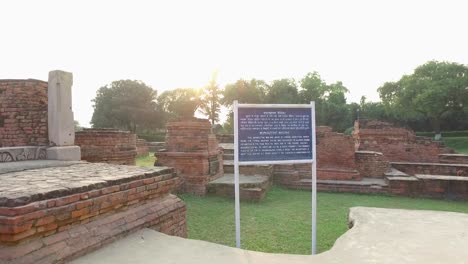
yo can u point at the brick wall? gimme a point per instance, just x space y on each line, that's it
334 150
371 164
396 143
59 229
192 149
453 158
23 113
335 160
107 145
450 187
431 168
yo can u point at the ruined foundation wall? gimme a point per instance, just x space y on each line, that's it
62 227
192 149
335 160
23 113
372 164
107 145
396 143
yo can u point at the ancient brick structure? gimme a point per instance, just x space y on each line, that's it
396 143
79 208
453 158
23 113
142 147
107 145
371 164
192 149
335 161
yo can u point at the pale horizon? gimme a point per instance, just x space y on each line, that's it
179 44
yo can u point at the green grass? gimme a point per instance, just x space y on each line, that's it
459 144
146 161
281 223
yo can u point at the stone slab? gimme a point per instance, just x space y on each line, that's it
395 173
64 153
429 164
441 177
377 236
363 182
33 164
23 187
228 179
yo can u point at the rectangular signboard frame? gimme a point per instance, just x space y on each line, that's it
313 162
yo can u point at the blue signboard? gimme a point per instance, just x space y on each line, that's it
274 134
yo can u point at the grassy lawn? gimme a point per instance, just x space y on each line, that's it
281 223
459 144
146 161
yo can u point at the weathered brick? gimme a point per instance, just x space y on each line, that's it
68 199
45 220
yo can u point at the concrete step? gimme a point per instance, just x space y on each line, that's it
251 187
228 167
366 185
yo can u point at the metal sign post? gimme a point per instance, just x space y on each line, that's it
274 134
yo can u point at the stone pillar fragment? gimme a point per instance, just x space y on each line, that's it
60 117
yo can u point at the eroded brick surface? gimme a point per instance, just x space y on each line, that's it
396 143
107 145
51 215
23 113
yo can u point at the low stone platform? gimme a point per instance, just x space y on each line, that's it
377 236
366 185
51 214
251 187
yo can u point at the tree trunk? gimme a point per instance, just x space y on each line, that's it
436 126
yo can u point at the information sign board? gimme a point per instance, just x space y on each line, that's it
274 134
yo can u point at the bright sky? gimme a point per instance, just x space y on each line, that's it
173 44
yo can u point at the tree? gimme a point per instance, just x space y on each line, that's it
433 90
330 101
179 103
77 125
125 104
211 100
282 91
252 92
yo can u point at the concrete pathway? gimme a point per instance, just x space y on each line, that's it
378 236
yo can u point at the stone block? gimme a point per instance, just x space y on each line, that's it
60 115
64 153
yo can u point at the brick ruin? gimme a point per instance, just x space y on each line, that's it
192 149
57 210
380 158
396 143
107 145
335 161
23 115
84 206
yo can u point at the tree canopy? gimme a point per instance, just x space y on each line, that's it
125 104
433 90
179 103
